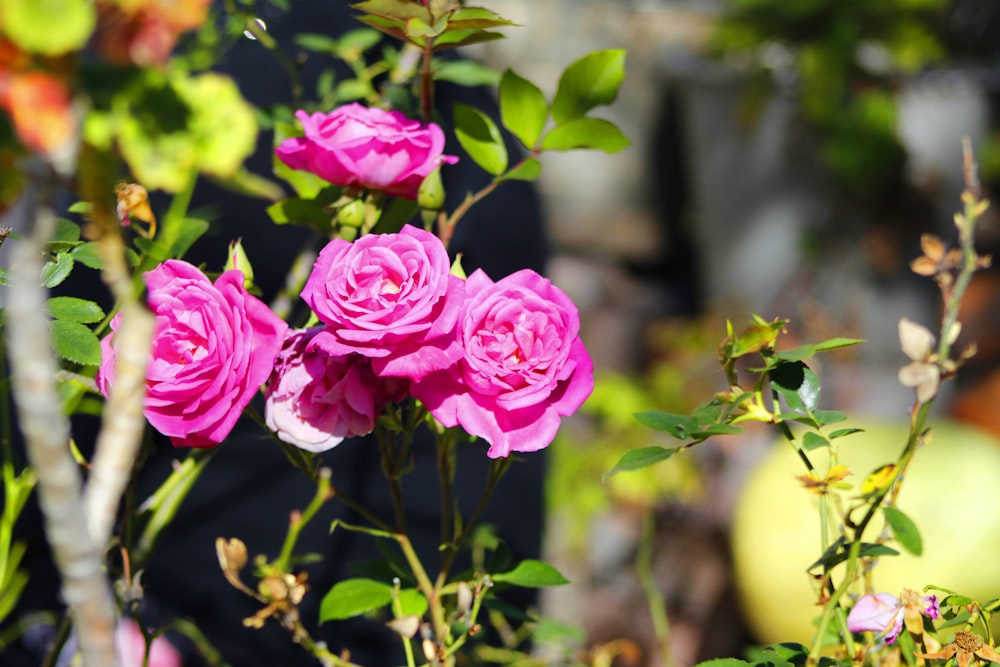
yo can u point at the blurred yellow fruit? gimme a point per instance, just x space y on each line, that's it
952 493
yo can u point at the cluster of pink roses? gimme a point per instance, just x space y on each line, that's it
503 359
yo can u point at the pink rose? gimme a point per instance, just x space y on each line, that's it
390 297
213 348
524 365
131 647
370 148
315 400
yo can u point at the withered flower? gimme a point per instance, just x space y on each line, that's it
966 647
923 372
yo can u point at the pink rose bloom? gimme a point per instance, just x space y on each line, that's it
390 297
132 647
371 148
315 400
213 348
524 365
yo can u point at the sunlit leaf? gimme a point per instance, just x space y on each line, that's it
904 530
593 133
76 342
55 272
354 597
480 137
638 459
74 309
532 574
523 108
589 82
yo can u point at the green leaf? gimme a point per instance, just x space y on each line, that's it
589 82
394 10
172 127
87 255
55 272
904 530
306 212
466 73
827 417
477 17
837 343
418 31
316 42
223 124
723 662
523 108
530 170
395 215
354 597
76 343
74 309
173 241
48 27
357 41
593 133
412 602
841 432
67 231
454 38
797 384
480 137
638 459
679 426
812 440
532 574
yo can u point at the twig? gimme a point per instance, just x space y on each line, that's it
46 431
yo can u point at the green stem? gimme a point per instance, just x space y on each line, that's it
261 35
497 469
447 225
323 493
445 444
391 455
166 500
644 570
397 611
430 590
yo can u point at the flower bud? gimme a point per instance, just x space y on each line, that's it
237 258
430 196
351 214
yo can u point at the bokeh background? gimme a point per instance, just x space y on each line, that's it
786 158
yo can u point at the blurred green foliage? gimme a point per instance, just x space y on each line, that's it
682 357
844 60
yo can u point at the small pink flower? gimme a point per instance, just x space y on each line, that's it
524 365
390 297
131 647
881 613
885 615
372 148
213 348
315 399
